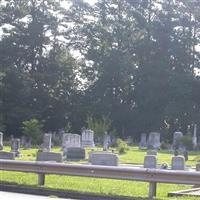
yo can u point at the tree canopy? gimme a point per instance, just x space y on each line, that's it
134 61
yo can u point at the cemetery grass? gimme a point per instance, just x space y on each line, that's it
99 186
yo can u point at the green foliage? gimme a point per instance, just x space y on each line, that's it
122 146
137 63
165 145
99 126
186 141
68 127
33 130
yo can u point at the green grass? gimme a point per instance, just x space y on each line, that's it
99 186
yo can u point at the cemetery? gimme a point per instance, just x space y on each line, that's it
100 98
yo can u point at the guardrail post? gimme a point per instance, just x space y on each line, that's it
152 189
41 179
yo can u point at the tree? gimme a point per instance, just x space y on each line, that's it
33 130
37 64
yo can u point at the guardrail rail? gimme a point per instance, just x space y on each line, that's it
153 176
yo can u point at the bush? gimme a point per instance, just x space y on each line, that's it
186 141
122 146
33 130
165 145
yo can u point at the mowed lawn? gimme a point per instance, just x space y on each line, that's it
100 186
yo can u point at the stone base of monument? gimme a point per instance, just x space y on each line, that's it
7 155
75 153
88 143
104 158
49 156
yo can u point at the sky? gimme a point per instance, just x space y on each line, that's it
91 1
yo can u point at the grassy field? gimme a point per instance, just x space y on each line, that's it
99 186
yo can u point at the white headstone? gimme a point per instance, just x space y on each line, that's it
129 140
70 140
177 139
47 142
1 141
87 138
154 140
143 140
178 163
150 161
194 138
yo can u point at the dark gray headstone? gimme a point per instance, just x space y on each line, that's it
7 155
104 158
75 153
198 166
49 156
15 146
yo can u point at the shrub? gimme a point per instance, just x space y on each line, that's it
68 127
33 130
122 146
186 141
165 145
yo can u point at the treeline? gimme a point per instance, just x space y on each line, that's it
132 61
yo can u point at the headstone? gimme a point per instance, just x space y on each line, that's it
153 140
7 155
75 153
178 163
15 146
1 141
49 156
70 140
185 154
46 146
143 140
129 140
56 139
104 158
106 142
177 139
25 142
87 138
194 137
198 166
150 161
152 152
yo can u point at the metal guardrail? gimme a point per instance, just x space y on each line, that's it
152 176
